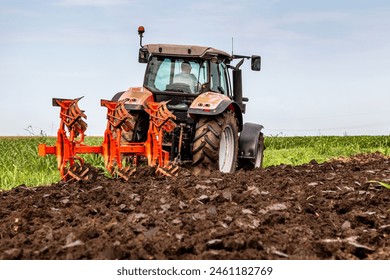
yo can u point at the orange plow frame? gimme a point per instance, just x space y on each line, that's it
70 140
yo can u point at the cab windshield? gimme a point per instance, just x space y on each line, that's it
176 75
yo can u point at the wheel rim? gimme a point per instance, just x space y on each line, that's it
226 150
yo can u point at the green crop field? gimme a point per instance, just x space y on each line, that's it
300 150
21 165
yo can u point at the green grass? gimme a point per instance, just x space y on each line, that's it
387 186
21 165
303 149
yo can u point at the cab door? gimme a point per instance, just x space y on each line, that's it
219 80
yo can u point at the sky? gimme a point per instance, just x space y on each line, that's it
325 64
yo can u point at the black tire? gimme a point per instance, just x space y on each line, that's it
141 127
117 96
140 122
257 162
215 145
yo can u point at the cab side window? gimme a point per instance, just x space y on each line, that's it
223 78
219 80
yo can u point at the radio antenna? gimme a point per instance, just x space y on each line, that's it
232 45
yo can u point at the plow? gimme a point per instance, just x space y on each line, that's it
121 159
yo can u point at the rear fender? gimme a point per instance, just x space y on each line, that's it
249 140
137 98
211 104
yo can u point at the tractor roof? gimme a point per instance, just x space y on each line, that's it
185 51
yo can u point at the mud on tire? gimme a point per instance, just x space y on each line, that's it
211 132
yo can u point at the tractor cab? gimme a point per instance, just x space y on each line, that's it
185 71
178 74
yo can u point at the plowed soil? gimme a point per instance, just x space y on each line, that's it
313 211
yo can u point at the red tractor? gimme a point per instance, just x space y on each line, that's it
188 111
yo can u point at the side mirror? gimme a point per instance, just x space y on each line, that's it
143 55
255 62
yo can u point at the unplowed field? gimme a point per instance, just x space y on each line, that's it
313 211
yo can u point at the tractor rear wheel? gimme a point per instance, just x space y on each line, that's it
216 144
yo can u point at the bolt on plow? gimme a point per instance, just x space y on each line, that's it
121 158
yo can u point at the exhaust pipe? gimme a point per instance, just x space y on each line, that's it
237 89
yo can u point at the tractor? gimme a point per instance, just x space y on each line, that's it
188 112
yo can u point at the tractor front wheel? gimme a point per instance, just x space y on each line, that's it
141 127
257 162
